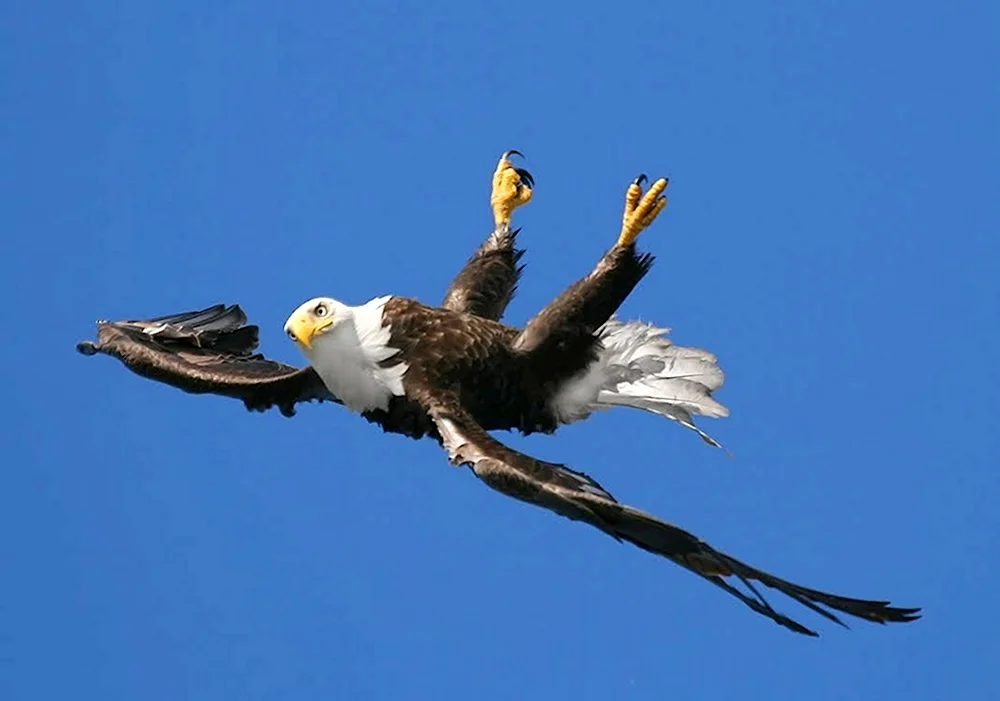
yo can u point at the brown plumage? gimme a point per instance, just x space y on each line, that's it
455 372
487 283
209 351
580 498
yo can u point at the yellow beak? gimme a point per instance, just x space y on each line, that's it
305 328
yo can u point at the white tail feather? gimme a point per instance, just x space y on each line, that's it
641 368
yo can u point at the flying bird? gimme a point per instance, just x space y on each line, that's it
455 372
211 351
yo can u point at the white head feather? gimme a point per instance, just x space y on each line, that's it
346 346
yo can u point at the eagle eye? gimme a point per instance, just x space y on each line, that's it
291 335
320 311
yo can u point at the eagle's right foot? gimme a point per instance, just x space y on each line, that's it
511 189
641 210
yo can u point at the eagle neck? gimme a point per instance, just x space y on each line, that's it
349 358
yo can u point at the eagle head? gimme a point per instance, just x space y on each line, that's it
313 319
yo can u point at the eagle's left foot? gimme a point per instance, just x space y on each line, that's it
641 210
511 189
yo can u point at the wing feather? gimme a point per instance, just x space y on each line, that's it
208 351
586 305
487 283
578 497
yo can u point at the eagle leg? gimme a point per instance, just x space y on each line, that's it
511 189
641 210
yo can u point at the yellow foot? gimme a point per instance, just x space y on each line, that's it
511 189
641 210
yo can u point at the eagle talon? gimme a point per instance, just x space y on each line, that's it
511 189
641 210
525 176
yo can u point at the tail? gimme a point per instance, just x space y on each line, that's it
644 370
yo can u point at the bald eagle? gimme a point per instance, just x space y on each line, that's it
455 372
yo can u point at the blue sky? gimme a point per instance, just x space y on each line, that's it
831 235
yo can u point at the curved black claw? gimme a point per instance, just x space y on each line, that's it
525 176
640 180
507 154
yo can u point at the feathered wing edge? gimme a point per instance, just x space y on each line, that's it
219 327
578 497
586 305
488 281
208 351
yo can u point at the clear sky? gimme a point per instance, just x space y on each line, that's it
831 235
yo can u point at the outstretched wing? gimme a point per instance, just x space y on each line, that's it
487 283
578 497
210 351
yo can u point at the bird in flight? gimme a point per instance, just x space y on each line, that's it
455 372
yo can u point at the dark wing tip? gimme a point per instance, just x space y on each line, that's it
220 328
218 317
892 614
